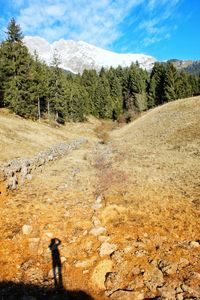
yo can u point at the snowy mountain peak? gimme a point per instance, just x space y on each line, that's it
77 56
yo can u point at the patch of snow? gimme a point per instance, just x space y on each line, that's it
77 56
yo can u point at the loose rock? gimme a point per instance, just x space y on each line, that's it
26 229
153 279
194 244
127 295
34 245
107 248
99 274
98 231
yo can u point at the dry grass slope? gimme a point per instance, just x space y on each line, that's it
162 148
24 138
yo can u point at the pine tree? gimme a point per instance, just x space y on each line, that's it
183 88
115 93
14 33
193 82
158 72
17 72
39 87
103 103
2 78
151 93
170 83
15 66
56 91
89 80
75 101
137 87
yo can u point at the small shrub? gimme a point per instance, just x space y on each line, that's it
110 178
127 117
102 132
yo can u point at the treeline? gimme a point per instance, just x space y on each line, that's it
33 90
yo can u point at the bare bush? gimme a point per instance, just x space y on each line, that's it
102 131
110 179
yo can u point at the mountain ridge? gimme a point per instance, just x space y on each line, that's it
187 65
77 56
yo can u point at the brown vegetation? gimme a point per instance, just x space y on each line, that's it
103 129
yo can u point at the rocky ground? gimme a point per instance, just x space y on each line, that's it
126 212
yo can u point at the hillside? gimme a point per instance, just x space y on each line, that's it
126 212
24 138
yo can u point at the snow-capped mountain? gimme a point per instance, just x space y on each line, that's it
77 56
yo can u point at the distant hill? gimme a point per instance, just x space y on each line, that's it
190 66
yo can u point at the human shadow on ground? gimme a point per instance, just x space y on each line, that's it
21 291
10 290
56 262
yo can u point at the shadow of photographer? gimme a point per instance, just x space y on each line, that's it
56 262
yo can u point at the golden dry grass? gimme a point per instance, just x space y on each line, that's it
162 148
25 138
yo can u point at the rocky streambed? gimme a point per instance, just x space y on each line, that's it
113 245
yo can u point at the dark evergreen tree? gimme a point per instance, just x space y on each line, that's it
137 88
158 72
2 78
102 72
151 102
115 93
39 87
103 101
127 100
170 83
76 101
15 66
193 82
14 33
56 91
183 88
89 81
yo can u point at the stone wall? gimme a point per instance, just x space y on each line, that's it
16 171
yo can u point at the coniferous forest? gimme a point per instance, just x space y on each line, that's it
34 90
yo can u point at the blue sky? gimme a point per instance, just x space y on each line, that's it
162 28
